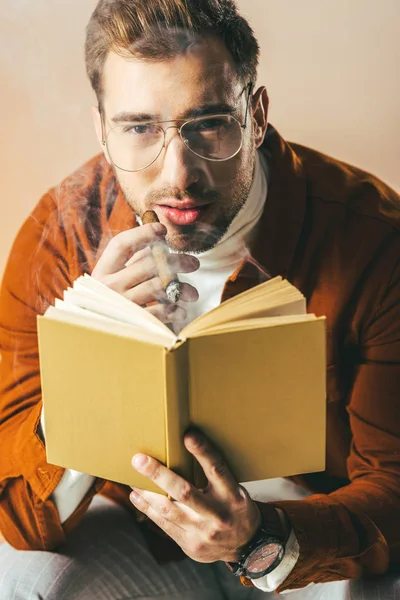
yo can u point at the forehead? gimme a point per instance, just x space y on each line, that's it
203 74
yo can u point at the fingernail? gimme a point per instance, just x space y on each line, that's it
134 497
195 435
140 461
159 228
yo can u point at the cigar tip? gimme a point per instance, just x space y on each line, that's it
149 217
174 291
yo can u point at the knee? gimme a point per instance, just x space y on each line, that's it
29 574
371 588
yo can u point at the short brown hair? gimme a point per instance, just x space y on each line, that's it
160 29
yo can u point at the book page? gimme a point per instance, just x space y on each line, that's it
142 316
75 315
255 323
97 298
260 396
275 297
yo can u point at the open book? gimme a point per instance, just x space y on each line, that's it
116 381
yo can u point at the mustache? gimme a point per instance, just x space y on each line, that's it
193 192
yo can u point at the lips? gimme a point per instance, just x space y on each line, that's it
187 213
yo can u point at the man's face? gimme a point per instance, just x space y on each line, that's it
194 198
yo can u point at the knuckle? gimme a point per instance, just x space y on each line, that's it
162 522
197 549
226 520
218 469
112 283
165 510
118 243
156 288
241 498
185 493
156 472
214 534
108 280
238 505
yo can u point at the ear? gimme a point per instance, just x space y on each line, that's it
98 126
260 104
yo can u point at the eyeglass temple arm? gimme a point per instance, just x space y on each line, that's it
103 129
251 88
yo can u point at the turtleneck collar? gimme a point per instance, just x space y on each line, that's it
236 241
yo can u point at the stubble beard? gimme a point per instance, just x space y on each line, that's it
203 236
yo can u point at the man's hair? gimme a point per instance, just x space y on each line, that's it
157 30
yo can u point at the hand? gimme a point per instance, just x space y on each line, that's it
127 266
209 525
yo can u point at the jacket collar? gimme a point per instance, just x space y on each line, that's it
284 212
281 222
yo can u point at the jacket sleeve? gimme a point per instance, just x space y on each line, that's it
355 531
36 273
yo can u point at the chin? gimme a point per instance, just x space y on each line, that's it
195 238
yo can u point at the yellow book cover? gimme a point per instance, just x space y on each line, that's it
251 374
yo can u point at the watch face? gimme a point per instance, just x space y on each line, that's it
263 558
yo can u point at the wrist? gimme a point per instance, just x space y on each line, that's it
258 521
266 549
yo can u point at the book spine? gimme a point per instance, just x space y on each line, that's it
177 413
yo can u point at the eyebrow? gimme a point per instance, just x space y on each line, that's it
209 109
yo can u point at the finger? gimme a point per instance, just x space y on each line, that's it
174 485
139 255
172 529
183 263
168 509
151 291
121 248
168 313
214 466
144 269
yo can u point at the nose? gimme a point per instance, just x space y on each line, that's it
180 166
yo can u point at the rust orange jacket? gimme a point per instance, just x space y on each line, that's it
333 231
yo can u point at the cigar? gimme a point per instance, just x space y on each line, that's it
169 280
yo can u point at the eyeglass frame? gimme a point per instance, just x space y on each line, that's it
249 86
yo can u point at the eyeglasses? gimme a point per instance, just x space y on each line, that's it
135 146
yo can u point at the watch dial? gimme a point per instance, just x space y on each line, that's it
263 558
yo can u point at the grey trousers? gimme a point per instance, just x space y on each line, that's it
106 558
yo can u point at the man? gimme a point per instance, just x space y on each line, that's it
185 133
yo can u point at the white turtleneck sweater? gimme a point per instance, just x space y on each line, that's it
216 266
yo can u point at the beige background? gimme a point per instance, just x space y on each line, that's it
331 69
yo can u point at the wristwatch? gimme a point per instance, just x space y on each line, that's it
264 552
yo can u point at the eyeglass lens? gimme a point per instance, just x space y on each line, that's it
133 147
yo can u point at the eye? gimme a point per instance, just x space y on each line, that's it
210 124
139 130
